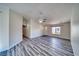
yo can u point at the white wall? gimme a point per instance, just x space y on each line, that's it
36 29
10 28
65 30
4 29
15 26
75 30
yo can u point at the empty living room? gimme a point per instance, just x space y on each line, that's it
39 29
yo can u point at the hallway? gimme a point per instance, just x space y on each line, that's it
42 46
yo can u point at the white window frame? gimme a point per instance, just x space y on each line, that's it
56 30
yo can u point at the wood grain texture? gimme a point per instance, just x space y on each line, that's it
42 46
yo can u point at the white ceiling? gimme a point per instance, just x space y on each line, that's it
55 12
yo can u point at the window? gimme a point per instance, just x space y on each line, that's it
56 30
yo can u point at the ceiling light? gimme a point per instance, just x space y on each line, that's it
40 21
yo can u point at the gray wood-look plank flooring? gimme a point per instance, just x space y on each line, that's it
42 46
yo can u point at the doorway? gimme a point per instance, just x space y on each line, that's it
24 31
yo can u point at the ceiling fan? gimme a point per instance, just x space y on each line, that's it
43 18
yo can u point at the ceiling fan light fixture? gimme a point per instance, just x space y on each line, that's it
40 21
